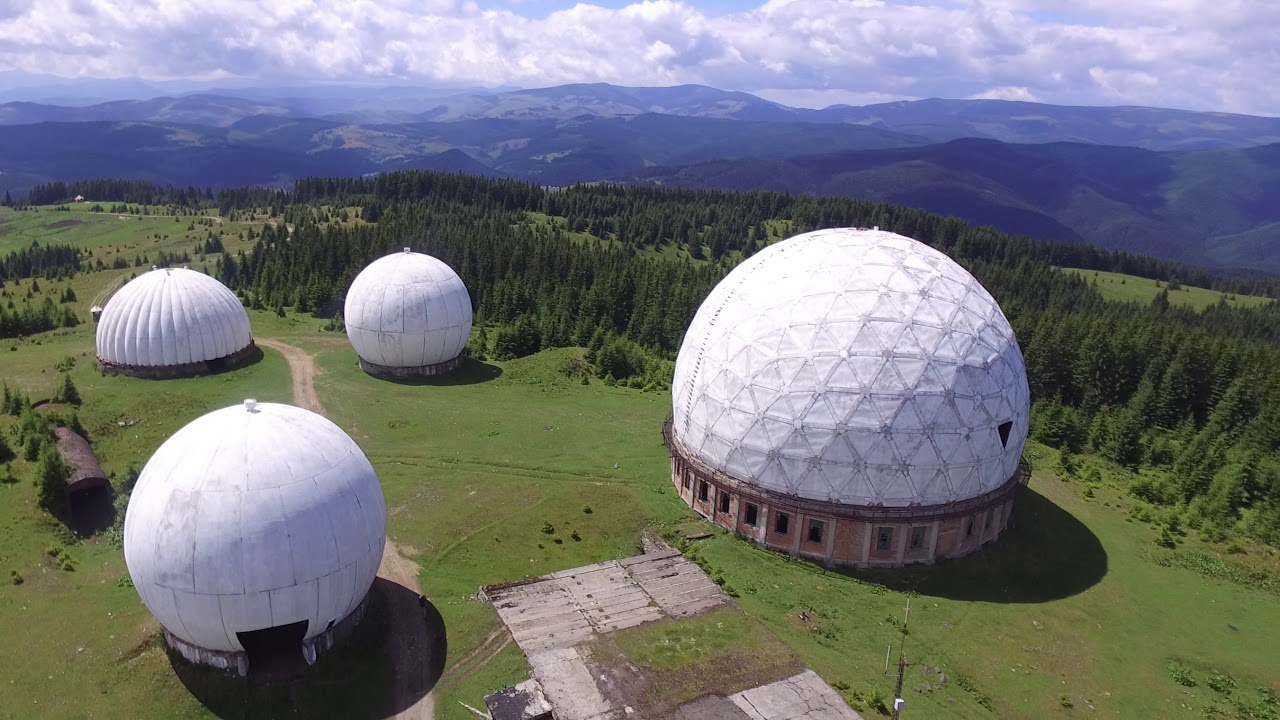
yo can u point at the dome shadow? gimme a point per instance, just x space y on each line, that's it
1045 554
470 372
389 662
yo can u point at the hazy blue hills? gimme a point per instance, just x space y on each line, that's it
936 120
1025 122
1197 187
280 148
211 110
1204 207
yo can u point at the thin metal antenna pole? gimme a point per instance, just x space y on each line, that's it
902 659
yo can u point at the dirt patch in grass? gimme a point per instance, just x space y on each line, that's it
65 224
657 667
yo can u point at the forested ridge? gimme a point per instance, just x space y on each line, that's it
1187 402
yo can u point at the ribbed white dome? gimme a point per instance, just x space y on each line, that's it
171 316
408 310
855 366
252 517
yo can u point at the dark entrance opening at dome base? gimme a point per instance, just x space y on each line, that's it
846 535
274 649
385 371
247 356
276 652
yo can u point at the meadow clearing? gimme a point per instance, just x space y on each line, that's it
1131 288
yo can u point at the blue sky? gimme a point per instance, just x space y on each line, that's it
1198 54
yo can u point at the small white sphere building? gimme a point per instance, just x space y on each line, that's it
408 314
851 395
172 322
257 517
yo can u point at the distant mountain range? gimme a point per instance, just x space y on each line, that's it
936 120
1196 187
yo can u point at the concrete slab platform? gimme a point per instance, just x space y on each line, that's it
569 686
555 617
801 697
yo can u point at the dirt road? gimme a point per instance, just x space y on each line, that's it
409 637
303 370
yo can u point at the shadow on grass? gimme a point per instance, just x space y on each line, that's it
389 662
1045 554
469 372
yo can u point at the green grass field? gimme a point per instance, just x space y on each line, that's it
1131 288
1075 605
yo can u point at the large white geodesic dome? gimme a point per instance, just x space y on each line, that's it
408 310
253 517
171 316
853 366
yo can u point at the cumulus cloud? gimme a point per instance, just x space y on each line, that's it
1202 54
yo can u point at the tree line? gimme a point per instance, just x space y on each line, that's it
1191 397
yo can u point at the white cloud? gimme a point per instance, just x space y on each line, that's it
1007 92
1205 54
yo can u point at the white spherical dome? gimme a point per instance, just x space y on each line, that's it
171 316
853 366
408 310
253 517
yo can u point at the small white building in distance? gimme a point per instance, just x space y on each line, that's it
79 198
172 322
408 314
255 528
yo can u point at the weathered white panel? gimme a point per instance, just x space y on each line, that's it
408 310
254 517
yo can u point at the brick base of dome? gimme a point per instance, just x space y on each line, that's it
839 535
385 371
239 660
186 370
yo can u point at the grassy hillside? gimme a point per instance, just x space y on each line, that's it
1075 606
1131 288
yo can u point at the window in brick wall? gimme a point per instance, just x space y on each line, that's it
918 537
724 502
884 539
780 524
968 530
752 514
815 531
702 490
686 482
991 514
